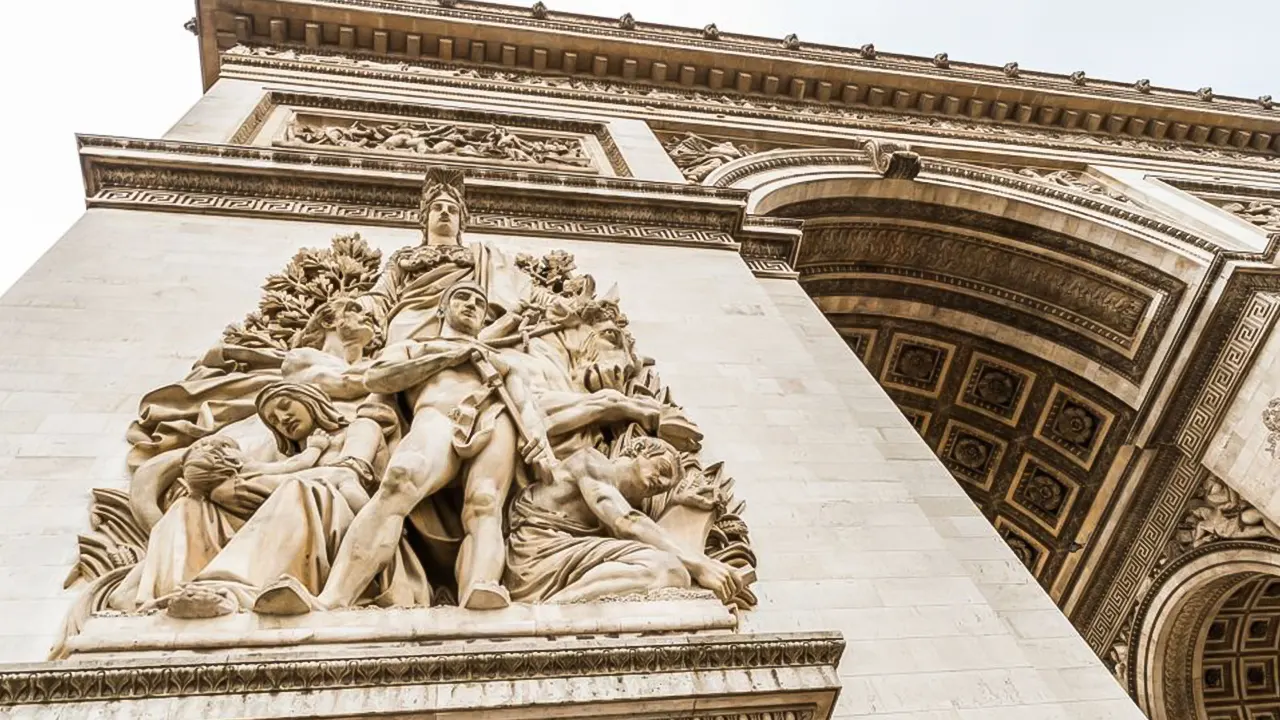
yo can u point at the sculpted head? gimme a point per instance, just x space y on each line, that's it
343 318
293 411
464 307
607 357
209 462
657 464
442 207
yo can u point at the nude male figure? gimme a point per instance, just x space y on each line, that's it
459 391
579 536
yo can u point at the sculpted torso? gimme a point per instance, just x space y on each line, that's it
445 390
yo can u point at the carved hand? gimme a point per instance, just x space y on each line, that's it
538 456
319 440
716 577
240 497
645 410
698 496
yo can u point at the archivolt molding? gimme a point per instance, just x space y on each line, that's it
757 174
1167 634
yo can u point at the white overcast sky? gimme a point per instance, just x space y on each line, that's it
127 67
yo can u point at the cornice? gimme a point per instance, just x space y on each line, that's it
273 182
507 37
130 679
650 98
517 18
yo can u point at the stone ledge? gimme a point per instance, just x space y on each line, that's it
733 664
161 633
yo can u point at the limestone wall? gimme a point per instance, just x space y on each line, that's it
857 527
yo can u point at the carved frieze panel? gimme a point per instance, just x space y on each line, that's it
451 141
429 132
1075 180
698 156
1256 204
1263 213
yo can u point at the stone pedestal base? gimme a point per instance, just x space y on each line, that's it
161 633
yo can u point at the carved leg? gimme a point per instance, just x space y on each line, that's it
643 571
483 554
423 463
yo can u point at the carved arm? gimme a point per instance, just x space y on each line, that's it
150 482
397 369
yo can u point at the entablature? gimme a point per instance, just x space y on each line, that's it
740 69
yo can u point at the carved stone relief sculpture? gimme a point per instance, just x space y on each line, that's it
492 142
697 157
1071 180
1263 213
1217 512
459 428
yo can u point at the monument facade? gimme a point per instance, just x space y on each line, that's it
582 367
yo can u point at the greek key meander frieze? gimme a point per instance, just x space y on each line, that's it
1175 510
774 108
419 394
327 211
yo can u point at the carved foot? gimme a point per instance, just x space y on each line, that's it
285 596
195 602
486 596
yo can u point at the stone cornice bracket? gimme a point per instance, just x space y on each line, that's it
894 161
803 666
